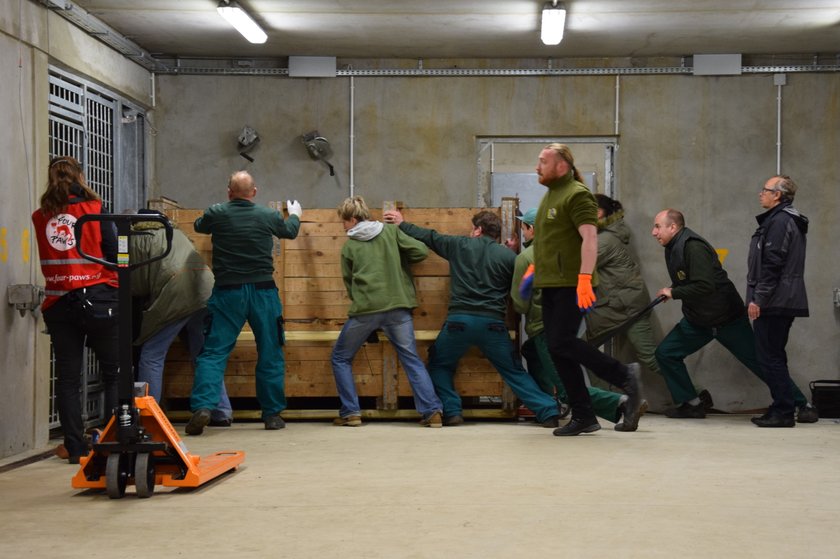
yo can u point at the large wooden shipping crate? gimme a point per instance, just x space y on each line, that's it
315 303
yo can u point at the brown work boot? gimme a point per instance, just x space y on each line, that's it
349 421
433 420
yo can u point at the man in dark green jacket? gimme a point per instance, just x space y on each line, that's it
712 310
480 274
243 235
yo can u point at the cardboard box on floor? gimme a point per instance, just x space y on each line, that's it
315 303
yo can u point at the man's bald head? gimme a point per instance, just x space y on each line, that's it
241 185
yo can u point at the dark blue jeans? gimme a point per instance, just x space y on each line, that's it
771 337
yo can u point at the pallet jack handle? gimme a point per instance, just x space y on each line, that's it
123 223
606 336
124 266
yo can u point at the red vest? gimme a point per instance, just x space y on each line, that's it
63 267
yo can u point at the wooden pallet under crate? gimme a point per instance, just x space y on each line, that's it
315 303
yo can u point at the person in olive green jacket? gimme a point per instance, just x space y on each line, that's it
608 405
621 292
174 292
375 262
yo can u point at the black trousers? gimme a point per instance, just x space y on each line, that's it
771 337
70 330
562 318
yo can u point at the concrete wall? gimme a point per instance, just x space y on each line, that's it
704 145
30 39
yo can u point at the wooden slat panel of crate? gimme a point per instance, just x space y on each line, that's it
315 303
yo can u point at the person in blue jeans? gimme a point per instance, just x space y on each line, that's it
243 235
375 262
174 292
480 275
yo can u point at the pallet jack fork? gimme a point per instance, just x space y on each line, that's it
139 444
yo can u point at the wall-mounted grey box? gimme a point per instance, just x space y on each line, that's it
311 66
717 64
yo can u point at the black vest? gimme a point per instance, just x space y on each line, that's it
716 309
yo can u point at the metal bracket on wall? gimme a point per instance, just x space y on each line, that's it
25 297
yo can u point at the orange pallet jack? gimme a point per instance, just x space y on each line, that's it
139 444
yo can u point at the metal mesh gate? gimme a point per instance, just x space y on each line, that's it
83 121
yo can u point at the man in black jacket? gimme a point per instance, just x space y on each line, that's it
776 291
712 310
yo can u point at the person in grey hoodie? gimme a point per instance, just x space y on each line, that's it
375 262
776 293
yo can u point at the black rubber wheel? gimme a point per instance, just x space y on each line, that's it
144 474
116 475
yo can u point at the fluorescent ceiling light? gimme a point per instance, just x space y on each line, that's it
243 23
553 22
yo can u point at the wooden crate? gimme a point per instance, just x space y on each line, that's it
315 303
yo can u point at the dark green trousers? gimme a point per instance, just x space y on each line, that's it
685 339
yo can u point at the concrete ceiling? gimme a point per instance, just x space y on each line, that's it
426 29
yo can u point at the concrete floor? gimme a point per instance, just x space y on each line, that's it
718 487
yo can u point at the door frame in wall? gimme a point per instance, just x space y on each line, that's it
485 159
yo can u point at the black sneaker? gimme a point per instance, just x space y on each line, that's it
198 422
807 414
576 427
453 420
706 399
773 420
687 411
622 426
633 388
274 423
551 422
226 422
564 409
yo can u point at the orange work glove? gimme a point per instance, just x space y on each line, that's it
585 295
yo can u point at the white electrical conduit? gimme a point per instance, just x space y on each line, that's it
617 95
352 136
778 129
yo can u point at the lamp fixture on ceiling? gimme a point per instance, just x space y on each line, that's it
243 23
553 22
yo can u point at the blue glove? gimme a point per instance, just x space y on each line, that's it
526 286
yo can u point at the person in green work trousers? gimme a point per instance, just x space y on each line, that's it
712 310
243 235
480 274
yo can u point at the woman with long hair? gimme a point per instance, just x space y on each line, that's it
80 305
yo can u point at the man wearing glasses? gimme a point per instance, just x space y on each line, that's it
712 310
776 294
